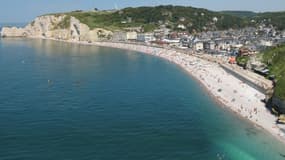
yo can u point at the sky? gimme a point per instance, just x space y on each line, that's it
27 10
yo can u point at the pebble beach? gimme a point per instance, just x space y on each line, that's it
227 89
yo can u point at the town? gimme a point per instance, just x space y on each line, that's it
239 46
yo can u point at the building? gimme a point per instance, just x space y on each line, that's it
224 43
198 45
215 19
131 35
145 37
232 60
181 26
267 43
133 29
185 41
119 36
246 51
209 45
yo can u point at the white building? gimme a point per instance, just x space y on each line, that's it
132 35
181 26
146 37
198 45
267 43
215 19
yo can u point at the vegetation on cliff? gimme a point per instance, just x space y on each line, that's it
194 19
245 14
276 19
65 23
275 58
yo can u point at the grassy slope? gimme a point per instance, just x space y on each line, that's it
275 18
275 57
195 18
245 14
149 18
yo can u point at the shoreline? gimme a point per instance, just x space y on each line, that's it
226 90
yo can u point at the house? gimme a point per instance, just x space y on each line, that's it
181 26
198 45
267 43
209 45
246 51
129 19
133 29
182 19
224 43
173 35
215 19
185 41
159 33
131 35
120 36
145 37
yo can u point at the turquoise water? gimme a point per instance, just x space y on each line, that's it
72 102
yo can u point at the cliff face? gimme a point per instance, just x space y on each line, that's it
13 32
57 27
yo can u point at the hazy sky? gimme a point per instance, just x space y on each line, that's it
27 10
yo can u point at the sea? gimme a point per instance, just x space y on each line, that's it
64 101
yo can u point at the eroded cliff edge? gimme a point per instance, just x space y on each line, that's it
62 27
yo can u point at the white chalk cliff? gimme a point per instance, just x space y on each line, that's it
60 27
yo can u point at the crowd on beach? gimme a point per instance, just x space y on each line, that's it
233 93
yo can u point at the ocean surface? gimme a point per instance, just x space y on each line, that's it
61 101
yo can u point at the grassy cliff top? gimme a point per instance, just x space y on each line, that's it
194 19
275 58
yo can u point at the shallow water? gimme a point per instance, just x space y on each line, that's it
68 101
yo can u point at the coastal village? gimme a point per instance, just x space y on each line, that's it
142 80
244 42
226 62
239 47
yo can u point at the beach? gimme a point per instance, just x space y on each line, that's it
227 89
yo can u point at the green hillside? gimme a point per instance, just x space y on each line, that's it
275 18
194 19
275 58
244 14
